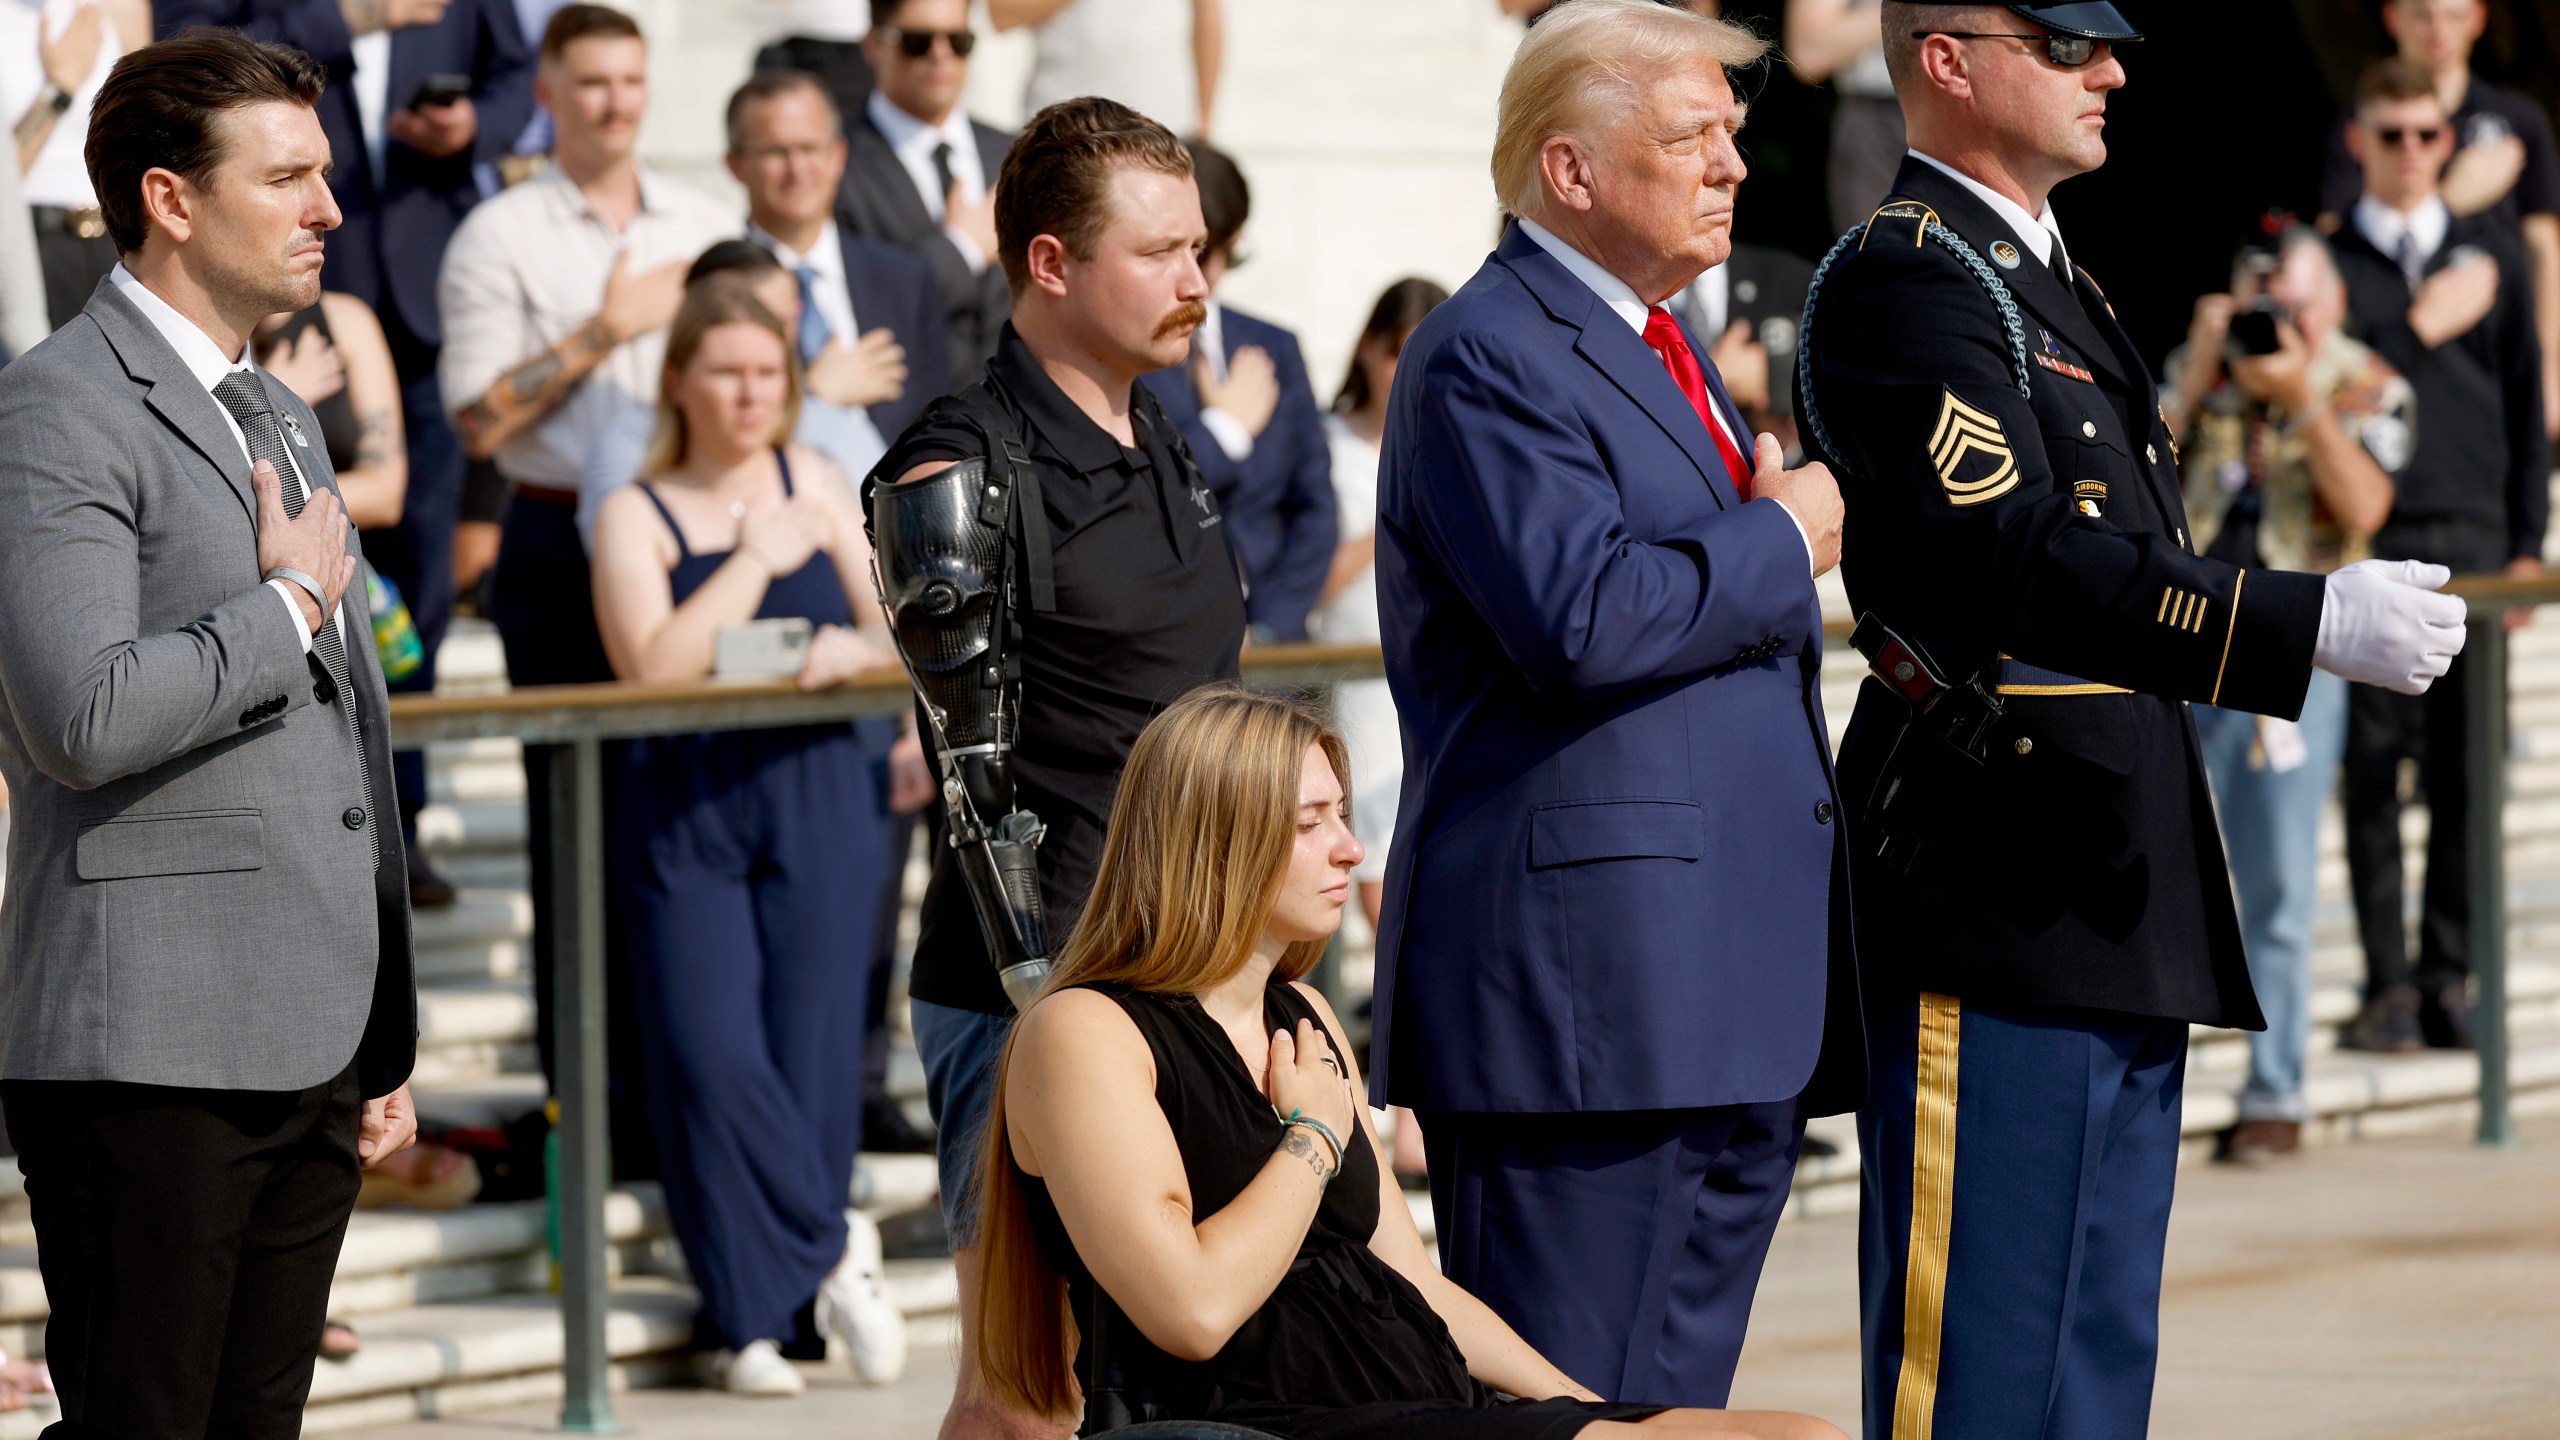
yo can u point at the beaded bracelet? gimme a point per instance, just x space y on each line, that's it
1298 1118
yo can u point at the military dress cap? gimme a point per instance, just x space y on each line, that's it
2096 19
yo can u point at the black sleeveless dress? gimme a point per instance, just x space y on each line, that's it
1345 1347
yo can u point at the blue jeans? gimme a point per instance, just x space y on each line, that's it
2271 829
960 1050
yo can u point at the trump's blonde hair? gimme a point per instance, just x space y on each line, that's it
1581 70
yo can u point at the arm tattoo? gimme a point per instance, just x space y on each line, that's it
373 439
1298 1142
529 391
530 382
32 130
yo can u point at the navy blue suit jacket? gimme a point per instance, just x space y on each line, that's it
893 287
391 244
1279 500
1610 881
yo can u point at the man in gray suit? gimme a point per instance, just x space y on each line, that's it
207 1006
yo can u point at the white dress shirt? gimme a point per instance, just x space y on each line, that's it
1621 299
2041 234
1210 342
525 270
831 289
2388 229
205 361
912 141
1710 298
372 84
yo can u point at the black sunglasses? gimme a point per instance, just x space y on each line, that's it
2397 135
2068 51
917 44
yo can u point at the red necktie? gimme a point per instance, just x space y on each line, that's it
1663 334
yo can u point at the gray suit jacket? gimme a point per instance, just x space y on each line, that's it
187 902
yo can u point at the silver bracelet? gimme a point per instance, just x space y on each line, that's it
319 596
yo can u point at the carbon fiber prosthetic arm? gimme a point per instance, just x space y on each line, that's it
941 559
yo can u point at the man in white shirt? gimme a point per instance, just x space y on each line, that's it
556 295
919 173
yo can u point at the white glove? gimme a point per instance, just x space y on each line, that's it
2382 623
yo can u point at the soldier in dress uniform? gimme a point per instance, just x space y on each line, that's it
2040 896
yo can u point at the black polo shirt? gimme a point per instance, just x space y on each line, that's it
1149 607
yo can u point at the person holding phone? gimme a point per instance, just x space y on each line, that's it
419 92
2291 434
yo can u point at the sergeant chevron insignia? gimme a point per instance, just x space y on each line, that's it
1971 453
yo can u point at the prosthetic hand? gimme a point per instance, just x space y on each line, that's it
2382 623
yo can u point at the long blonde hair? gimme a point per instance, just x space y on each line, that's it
709 303
1199 844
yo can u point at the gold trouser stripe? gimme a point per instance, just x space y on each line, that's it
1933 1198
2228 631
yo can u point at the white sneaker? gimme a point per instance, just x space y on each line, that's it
758 1369
854 1307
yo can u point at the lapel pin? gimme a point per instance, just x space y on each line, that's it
295 427
2005 254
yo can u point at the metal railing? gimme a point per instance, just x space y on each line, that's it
575 720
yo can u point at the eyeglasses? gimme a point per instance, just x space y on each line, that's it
2068 51
2396 136
917 44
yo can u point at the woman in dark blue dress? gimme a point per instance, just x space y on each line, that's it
748 947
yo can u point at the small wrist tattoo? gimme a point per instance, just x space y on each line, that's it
1299 1143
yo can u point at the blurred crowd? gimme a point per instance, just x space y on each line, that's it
539 365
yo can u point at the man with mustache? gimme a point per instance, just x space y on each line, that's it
2040 896
1127 593
206 988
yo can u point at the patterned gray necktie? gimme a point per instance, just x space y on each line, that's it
242 395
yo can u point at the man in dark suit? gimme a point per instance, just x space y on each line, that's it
1604 961
920 174
2042 904
403 180
1246 409
870 321
2446 300
205 976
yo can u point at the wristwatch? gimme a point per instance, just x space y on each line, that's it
54 97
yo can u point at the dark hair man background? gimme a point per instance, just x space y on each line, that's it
919 171
2503 164
210 1006
2446 301
1100 240
403 181
1246 408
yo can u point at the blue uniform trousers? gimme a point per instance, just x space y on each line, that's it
1624 1245
2018 1164
750 938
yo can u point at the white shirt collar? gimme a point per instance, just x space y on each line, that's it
2039 233
2384 226
1615 293
1710 302
826 256
908 135
196 349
